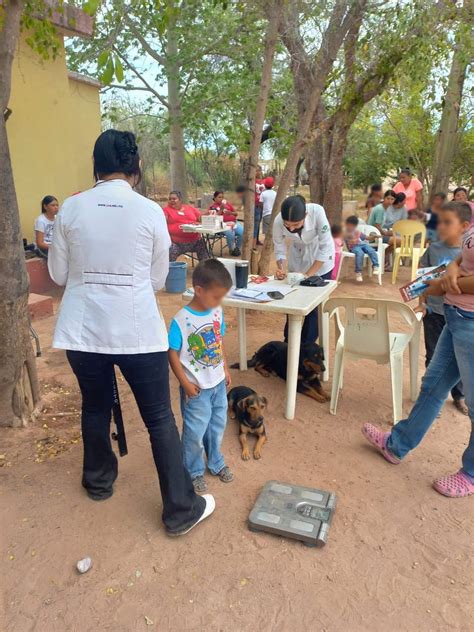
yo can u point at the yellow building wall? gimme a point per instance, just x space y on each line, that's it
54 123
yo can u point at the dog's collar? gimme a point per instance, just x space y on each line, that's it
246 422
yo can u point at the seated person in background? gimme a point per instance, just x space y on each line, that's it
357 243
182 242
267 198
44 225
374 198
460 195
394 213
233 236
377 213
338 239
431 216
453 221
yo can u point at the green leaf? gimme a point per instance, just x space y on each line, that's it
108 74
103 58
118 69
90 7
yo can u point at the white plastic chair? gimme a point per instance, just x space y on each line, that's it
380 248
368 335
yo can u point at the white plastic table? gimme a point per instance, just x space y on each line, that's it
208 234
296 306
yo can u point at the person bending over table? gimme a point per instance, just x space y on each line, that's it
311 249
182 242
234 235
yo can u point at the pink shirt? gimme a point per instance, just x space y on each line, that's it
338 244
465 301
410 191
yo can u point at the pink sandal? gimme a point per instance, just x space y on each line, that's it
379 439
456 485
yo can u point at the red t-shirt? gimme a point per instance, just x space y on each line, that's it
175 218
221 209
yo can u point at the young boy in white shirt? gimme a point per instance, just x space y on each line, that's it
196 355
267 199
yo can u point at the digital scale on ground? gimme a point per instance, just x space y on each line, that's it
292 511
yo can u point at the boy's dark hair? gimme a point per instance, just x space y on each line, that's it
390 192
353 220
461 209
116 152
399 198
375 187
440 194
336 229
211 272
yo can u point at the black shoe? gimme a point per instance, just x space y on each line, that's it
236 252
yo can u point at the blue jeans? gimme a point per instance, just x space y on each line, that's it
359 252
204 422
257 220
234 236
452 361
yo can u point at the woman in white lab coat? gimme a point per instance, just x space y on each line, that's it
311 249
111 250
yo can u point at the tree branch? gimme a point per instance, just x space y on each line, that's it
139 76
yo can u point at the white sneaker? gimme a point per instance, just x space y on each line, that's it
359 278
376 270
208 510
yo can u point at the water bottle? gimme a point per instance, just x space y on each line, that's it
241 274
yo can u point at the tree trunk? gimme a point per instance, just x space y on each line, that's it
326 169
19 392
446 141
342 18
271 39
176 142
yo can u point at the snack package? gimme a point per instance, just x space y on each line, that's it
415 288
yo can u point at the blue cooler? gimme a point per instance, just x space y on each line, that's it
176 279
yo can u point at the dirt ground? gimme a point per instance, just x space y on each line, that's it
399 555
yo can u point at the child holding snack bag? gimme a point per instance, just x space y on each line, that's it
452 361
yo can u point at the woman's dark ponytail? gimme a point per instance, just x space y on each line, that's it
116 152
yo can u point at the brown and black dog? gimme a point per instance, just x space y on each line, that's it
248 408
272 359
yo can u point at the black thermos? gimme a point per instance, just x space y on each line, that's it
241 274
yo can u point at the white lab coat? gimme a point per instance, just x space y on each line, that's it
314 243
111 251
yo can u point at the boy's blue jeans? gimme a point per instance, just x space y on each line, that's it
452 361
359 252
204 422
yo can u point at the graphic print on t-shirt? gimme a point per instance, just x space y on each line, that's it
205 344
48 233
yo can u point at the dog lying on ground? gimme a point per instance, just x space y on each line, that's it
271 359
248 408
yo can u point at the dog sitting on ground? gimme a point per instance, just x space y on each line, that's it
271 359
248 408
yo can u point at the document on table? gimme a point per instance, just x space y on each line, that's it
258 292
